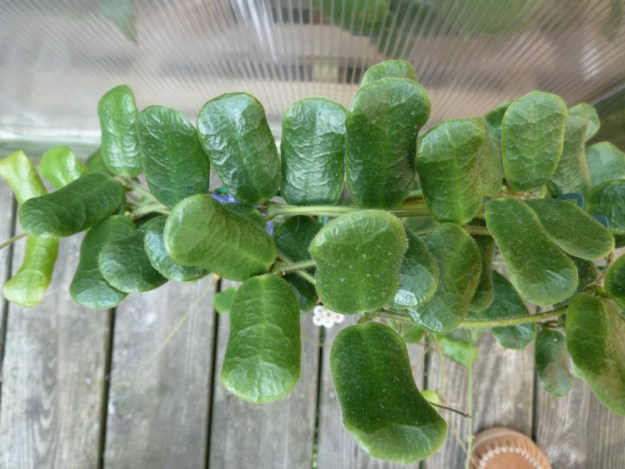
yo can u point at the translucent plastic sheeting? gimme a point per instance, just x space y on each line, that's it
58 57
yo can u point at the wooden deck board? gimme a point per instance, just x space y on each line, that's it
274 435
337 449
160 392
53 377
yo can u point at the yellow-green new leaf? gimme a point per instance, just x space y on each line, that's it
60 166
235 135
381 138
572 229
28 285
538 269
449 167
358 257
200 232
262 360
459 265
532 137
595 334
74 208
380 403
615 281
120 145
20 174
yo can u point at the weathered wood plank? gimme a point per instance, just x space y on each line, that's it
53 377
503 381
160 378
274 435
336 446
6 231
577 432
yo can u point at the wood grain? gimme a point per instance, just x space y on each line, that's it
53 377
337 449
274 435
6 231
160 382
577 432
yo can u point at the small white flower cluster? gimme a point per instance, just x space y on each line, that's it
325 317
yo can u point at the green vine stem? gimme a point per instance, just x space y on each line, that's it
487 324
147 209
295 266
274 209
10 241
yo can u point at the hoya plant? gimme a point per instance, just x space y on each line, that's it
431 236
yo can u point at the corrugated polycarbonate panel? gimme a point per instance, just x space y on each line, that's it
58 57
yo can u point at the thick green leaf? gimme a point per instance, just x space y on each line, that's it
494 118
508 304
120 146
532 137
247 212
449 166
20 174
173 160
587 272
606 201
80 205
154 245
380 403
412 334
589 114
294 235
459 263
389 68
572 174
234 133
606 162
573 229
313 152
484 293
358 257
305 292
595 334
615 281
60 166
200 232
552 363
95 163
538 269
262 361
418 275
491 171
222 302
461 351
88 287
125 265
382 128
28 285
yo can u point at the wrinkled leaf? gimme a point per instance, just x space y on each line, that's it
20 174
358 257
95 163
538 269
381 137
200 232
589 114
532 137
552 363
615 281
88 287
305 292
60 166
120 146
595 334
234 133
380 403
605 162
313 152
418 275
262 361
572 174
154 245
173 160
491 172
459 264
294 235
587 272
572 229
494 118
80 205
387 69
245 211
606 201
222 302
28 285
125 265
449 167
484 293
